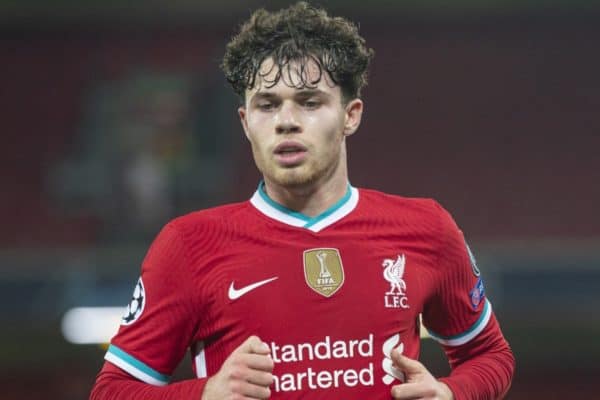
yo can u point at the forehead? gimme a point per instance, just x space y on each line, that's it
291 77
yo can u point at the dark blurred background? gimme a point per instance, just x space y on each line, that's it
116 118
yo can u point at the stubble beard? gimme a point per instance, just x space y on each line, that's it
305 175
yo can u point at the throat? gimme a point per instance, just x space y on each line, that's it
309 201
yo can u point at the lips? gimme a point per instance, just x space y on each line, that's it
289 146
290 153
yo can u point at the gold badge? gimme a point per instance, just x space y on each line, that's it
323 270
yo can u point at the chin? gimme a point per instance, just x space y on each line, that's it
294 177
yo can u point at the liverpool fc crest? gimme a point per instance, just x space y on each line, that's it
393 272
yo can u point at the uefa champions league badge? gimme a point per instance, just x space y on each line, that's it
136 305
477 293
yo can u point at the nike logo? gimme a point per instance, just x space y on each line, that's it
237 293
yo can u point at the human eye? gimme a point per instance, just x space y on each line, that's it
312 104
265 105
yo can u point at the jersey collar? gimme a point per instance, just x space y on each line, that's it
271 209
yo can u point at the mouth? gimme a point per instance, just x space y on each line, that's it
290 153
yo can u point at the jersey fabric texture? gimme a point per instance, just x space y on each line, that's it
330 295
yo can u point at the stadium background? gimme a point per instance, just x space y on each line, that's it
116 118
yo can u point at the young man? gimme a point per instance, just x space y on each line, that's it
312 289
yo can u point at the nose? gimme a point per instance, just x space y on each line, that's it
287 120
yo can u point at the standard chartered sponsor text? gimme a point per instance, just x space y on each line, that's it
326 349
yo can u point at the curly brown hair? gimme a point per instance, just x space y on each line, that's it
300 33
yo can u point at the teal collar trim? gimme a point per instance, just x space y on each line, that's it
276 211
277 206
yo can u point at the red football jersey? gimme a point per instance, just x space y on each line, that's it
331 295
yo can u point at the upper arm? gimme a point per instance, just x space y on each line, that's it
151 343
459 310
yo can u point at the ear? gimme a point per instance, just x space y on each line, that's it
243 119
353 116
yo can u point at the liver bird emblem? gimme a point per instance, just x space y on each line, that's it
393 273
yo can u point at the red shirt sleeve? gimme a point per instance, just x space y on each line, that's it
460 317
113 383
458 310
157 330
482 368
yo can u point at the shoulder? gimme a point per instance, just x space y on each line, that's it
423 217
425 209
201 226
204 231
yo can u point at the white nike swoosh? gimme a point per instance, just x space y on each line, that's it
237 293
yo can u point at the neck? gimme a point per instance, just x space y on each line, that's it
310 199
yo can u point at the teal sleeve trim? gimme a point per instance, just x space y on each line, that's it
474 330
137 364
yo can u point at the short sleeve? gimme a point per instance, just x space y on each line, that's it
459 309
159 322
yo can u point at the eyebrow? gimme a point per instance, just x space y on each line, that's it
263 95
301 93
311 92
